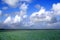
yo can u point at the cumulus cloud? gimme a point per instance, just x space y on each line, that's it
23 9
17 19
11 2
24 6
41 15
25 16
56 8
8 20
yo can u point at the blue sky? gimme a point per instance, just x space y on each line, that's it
30 12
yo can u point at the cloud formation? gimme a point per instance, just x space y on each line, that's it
41 19
46 19
41 15
19 15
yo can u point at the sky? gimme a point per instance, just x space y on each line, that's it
29 14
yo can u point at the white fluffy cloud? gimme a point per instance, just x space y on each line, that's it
56 8
25 16
24 6
23 9
10 20
41 15
17 19
11 2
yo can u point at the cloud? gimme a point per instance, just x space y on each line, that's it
23 9
41 15
46 16
11 2
56 8
19 15
24 6
17 19
25 16
8 20
44 19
